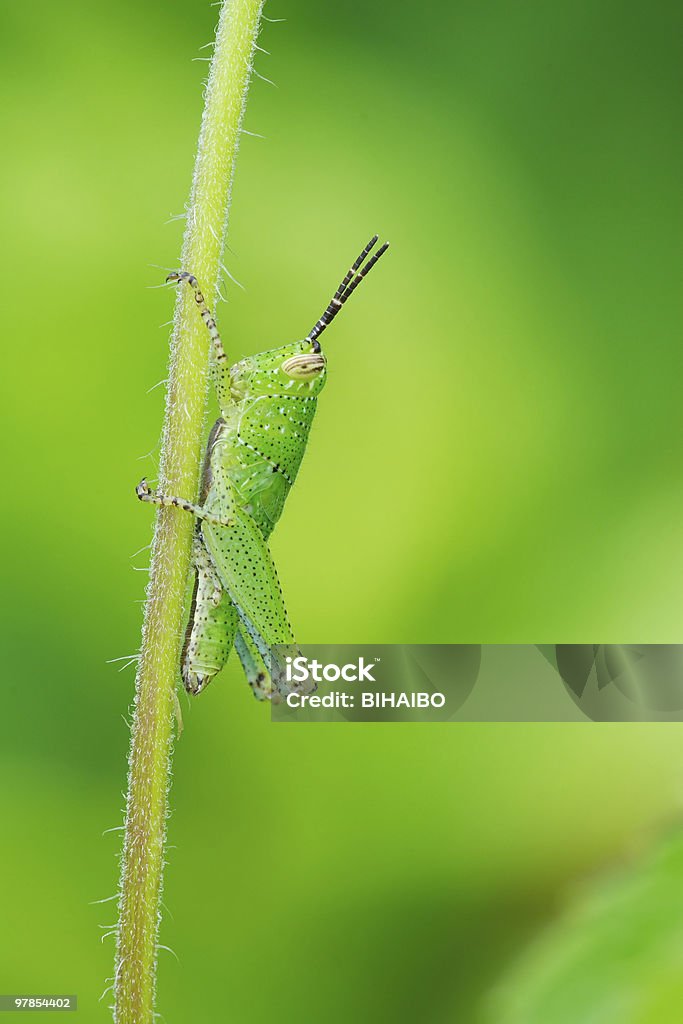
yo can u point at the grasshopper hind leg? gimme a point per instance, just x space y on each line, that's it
254 666
211 626
266 674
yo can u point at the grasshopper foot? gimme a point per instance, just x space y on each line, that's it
143 490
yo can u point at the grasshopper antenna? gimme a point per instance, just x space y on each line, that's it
349 284
205 312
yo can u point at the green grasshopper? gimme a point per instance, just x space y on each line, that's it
267 404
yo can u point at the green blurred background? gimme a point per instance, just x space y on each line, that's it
496 459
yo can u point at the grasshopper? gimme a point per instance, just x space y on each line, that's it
267 403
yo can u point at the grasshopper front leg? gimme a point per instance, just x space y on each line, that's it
145 493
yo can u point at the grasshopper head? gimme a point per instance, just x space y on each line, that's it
290 369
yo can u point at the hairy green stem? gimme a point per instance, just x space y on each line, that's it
151 742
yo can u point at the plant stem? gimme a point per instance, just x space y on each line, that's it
151 741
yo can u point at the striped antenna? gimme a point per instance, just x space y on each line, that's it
349 284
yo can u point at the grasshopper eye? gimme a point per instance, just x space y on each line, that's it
304 366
